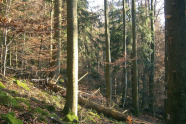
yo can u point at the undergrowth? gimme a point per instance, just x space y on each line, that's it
30 104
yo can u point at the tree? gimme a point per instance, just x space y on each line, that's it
56 47
125 56
151 76
72 58
175 61
108 56
135 68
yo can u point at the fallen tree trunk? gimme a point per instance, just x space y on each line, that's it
109 112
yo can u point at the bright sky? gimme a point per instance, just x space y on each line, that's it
159 6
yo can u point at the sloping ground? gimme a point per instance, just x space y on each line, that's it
22 101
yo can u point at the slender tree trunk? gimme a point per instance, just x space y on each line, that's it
125 56
108 56
72 58
5 37
144 88
151 76
22 60
5 52
175 61
135 68
16 55
56 46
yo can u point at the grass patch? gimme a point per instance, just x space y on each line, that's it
40 111
10 118
21 84
1 85
71 117
7 100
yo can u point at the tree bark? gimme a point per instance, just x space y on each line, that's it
56 46
175 61
72 58
151 76
109 112
135 68
108 56
125 56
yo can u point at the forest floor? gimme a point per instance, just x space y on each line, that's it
22 101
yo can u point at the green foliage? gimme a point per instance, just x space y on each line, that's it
21 84
94 114
40 111
7 99
70 117
50 108
19 99
10 118
42 118
1 85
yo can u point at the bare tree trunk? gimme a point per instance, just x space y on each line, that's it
56 46
125 56
135 68
5 37
108 56
5 52
151 77
72 58
175 61
22 60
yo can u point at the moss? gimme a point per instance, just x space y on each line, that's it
50 108
55 97
42 118
23 100
94 114
71 117
7 99
10 118
21 84
14 92
1 85
40 111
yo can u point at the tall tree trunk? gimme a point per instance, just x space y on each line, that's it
108 56
151 76
72 58
51 26
23 47
56 46
5 52
125 56
135 68
8 2
175 61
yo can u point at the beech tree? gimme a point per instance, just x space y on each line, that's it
72 58
175 61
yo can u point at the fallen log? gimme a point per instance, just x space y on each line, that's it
109 112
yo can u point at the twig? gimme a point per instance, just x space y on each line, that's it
83 76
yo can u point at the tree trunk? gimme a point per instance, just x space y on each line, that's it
108 56
135 68
56 46
5 52
109 112
72 58
151 76
125 56
175 61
